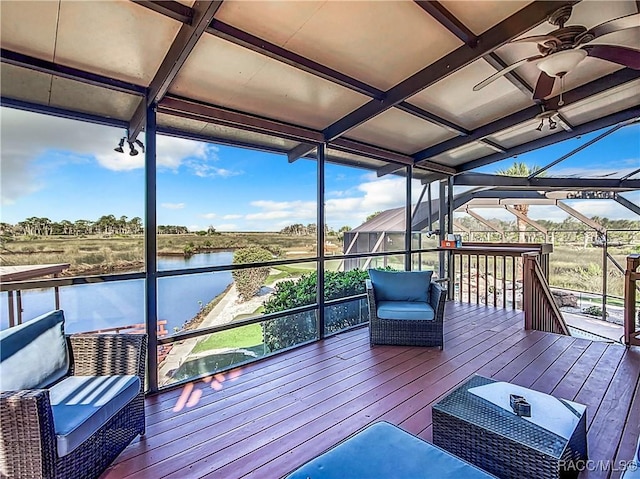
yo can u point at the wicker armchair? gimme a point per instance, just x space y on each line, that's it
412 331
28 441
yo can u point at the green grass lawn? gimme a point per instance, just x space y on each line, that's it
245 337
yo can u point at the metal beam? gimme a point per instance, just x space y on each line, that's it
263 47
579 216
543 183
577 94
518 23
485 222
61 112
493 145
629 175
429 165
585 128
445 18
299 151
627 204
36 64
222 116
183 44
461 227
526 219
169 8
577 150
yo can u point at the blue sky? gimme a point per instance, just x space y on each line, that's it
62 169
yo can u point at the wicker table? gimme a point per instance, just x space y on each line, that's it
504 444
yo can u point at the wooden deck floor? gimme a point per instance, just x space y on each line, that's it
266 419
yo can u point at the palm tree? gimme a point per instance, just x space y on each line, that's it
519 168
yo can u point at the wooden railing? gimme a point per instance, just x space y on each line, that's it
631 278
491 273
540 310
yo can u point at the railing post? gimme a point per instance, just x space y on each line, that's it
631 276
528 260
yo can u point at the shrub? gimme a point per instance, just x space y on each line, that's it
300 327
249 281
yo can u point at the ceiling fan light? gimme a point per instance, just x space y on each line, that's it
557 64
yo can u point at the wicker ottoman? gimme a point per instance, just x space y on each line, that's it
385 451
497 440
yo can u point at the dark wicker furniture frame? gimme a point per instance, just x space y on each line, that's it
28 446
408 332
502 443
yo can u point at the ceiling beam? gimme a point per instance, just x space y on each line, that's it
43 66
577 94
543 182
493 145
263 47
300 151
183 44
243 121
539 171
579 216
445 18
171 9
482 220
518 23
627 204
268 49
583 129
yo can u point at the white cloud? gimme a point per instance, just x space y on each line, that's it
173 206
21 148
269 215
231 217
209 216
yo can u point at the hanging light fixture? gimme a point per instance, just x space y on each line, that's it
120 145
133 151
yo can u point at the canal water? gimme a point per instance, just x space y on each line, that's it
95 306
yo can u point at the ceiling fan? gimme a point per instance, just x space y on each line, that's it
564 48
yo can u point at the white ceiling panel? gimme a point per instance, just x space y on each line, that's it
479 15
116 38
22 84
73 95
29 27
379 43
181 124
453 98
463 154
399 131
247 136
227 75
603 104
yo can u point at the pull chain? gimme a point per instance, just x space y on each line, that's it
561 101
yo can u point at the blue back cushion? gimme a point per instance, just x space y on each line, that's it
401 285
34 354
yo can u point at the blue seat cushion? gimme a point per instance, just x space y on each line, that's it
401 285
405 310
34 354
383 450
82 404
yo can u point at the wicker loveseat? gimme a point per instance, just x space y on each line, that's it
69 404
405 308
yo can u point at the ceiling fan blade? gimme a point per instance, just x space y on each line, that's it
504 71
616 54
544 86
621 23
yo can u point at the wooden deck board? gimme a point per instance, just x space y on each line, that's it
265 419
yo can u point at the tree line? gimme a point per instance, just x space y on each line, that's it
105 225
